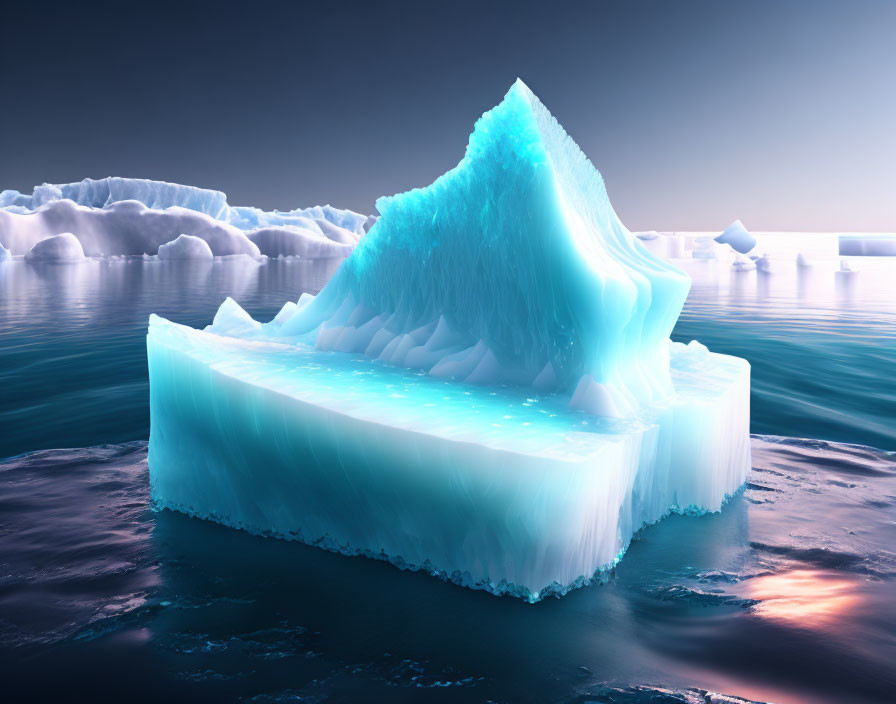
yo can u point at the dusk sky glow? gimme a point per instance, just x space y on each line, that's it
696 113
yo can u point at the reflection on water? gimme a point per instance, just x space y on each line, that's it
807 598
72 337
786 596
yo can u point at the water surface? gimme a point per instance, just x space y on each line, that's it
785 596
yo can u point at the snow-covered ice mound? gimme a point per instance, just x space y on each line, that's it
186 247
486 388
59 248
116 216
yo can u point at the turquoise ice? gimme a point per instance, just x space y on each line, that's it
485 389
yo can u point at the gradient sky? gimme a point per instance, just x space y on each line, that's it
780 113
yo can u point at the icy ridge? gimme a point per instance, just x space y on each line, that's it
512 268
117 216
159 195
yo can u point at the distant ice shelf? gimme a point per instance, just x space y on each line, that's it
486 389
122 216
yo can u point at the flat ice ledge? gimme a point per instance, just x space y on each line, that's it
483 486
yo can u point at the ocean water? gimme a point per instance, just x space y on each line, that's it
786 596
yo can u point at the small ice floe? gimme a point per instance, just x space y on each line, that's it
846 270
764 264
186 247
742 263
4 253
803 262
64 247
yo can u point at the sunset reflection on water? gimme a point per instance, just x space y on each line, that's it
807 598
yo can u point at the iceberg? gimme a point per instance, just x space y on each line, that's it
871 245
118 216
159 195
485 390
737 237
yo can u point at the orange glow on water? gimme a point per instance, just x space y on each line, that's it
810 598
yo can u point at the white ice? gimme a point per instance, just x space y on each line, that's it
186 247
115 216
64 247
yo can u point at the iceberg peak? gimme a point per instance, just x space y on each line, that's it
519 262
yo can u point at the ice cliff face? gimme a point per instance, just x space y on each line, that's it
113 216
511 268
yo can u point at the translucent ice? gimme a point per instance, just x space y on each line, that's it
486 388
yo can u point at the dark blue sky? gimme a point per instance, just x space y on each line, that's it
780 113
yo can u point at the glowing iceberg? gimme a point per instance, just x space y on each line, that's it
485 389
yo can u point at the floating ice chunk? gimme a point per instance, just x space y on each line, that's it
880 245
511 273
59 248
764 263
742 263
803 262
522 497
186 247
4 253
737 237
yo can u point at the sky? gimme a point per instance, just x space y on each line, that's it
782 114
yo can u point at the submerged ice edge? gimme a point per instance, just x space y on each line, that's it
462 579
251 448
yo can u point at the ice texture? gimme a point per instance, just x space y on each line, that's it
483 486
4 253
117 216
159 195
186 247
511 268
737 237
485 389
292 240
64 247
